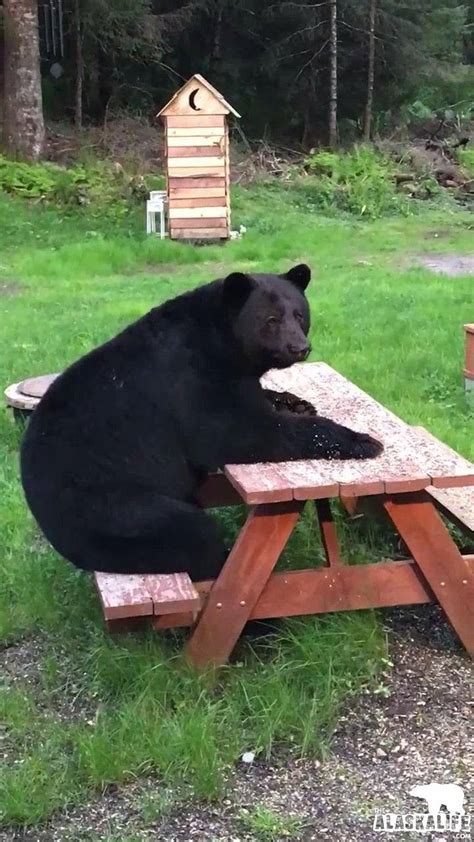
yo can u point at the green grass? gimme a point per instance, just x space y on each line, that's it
101 710
268 826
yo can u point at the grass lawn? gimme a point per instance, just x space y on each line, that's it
81 711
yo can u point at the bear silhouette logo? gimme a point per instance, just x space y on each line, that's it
450 796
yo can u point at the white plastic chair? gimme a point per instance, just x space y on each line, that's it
156 204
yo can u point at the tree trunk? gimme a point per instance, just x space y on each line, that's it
79 66
333 76
371 71
23 110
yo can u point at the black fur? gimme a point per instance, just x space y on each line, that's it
115 452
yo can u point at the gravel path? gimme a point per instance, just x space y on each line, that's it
416 729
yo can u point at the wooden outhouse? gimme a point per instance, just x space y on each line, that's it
197 162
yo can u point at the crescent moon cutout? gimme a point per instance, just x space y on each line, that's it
192 100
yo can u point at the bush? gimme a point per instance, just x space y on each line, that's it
97 183
360 181
466 159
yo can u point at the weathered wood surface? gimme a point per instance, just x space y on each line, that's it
189 170
199 152
197 193
457 504
191 133
176 201
215 143
196 162
195 181
199 223
412 459
196 213
199 233
145 595
196 122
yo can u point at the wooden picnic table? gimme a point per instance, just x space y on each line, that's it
413 462
415 475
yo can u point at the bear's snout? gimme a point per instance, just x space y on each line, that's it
299 352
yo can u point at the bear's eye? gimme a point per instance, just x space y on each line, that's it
299 316
272 320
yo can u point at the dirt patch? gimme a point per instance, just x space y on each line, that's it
22 666
448 264
414 729
8 289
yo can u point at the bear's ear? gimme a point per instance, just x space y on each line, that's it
236 290
300 276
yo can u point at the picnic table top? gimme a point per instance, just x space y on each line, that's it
413 459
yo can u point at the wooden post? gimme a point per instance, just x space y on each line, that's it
469 358
197 162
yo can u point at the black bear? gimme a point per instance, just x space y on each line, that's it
116 450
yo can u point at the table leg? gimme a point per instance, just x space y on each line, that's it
328 532
241 581
449 575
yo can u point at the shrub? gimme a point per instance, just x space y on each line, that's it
360 181
97 183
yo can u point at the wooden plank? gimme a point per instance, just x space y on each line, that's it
135 595
197 162
260 483
174 621
123 596
240 583
310 479
216 143
457 504
196 181
341 589
359 587
446 468
199 233
180 193
172 593
199 152
197 121
191 171
328 533
203 202
188 213
206 132
198 223
448 573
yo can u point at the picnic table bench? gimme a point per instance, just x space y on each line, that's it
414 477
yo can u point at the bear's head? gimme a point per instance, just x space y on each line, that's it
269 317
